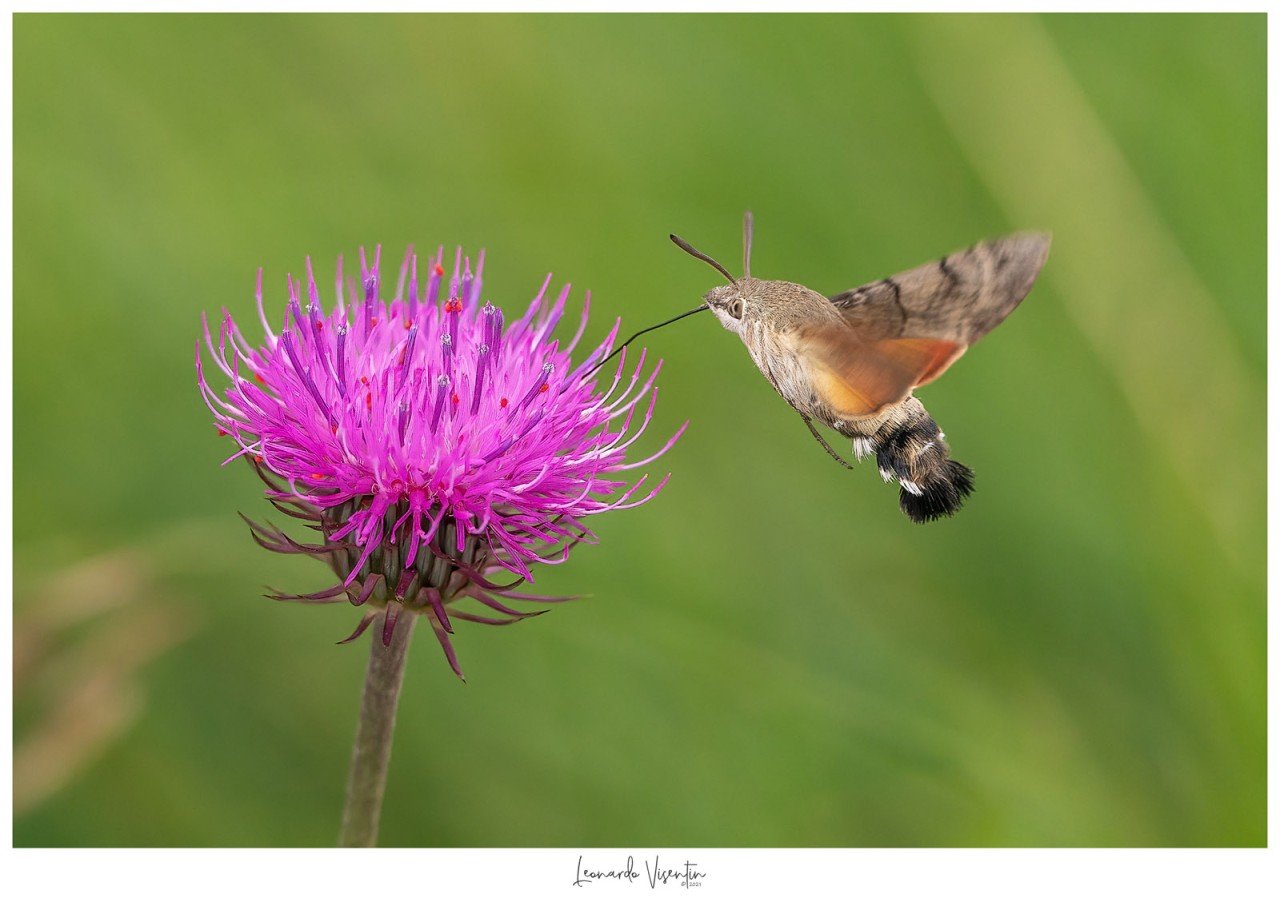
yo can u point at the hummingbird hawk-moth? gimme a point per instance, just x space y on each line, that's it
852 360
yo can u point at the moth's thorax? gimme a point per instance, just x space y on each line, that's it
774 320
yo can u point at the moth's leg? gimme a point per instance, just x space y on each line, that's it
817 436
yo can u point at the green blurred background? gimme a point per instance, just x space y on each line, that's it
771 654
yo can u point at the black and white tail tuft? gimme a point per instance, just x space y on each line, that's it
911 449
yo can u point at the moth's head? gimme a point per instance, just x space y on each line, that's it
732 302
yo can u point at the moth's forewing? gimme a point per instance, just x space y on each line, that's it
958 298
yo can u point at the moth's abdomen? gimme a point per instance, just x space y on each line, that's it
910 448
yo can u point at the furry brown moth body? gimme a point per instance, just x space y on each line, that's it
851 361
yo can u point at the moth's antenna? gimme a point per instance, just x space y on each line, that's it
645 331
748 224
704 257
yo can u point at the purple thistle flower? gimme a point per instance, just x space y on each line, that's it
437 450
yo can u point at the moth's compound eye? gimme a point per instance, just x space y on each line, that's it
735 309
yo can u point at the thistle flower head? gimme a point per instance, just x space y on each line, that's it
436 447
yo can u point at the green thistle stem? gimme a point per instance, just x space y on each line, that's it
372 751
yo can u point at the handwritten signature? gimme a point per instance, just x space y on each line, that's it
656 874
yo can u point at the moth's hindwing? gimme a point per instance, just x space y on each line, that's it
858 378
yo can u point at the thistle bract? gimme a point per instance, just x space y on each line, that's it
440 450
